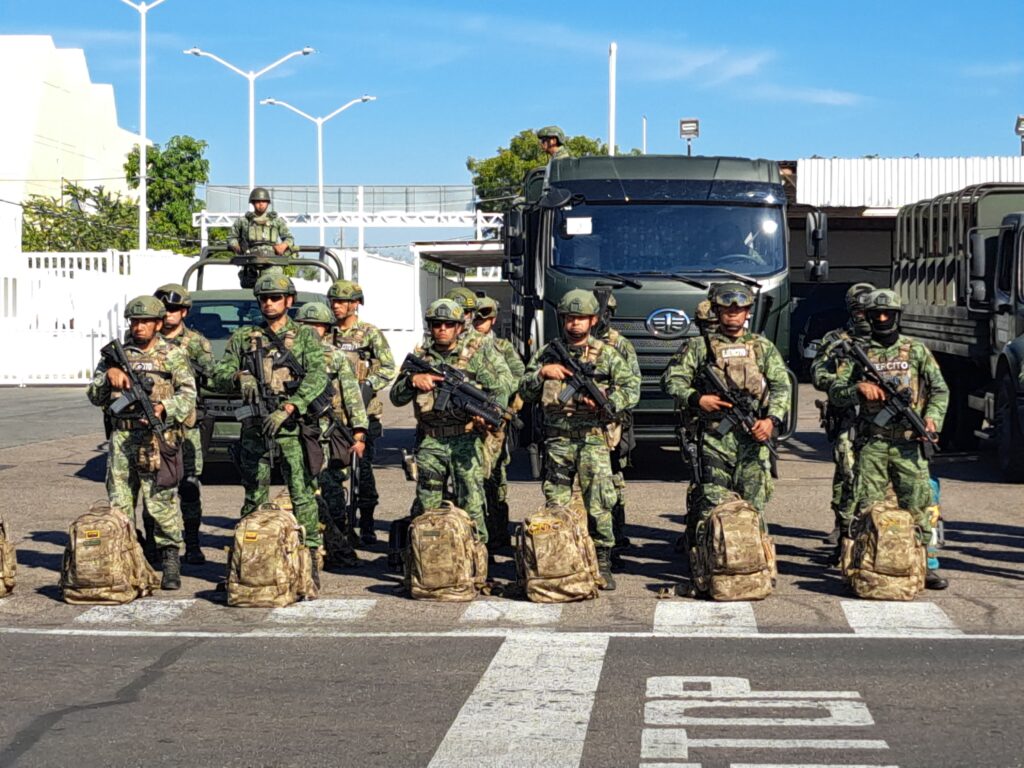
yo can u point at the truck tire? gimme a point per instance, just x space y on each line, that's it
1010 440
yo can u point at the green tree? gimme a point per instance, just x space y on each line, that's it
80 219
174 174
499 178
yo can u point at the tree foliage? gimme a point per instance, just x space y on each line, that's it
80 219
499 178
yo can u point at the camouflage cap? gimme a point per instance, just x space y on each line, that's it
856 294
145 308
464 297
578 302
486 307
174 295
552 131
881 299
270 284
345 290
258 194
731 295
444 309
315 313
704 312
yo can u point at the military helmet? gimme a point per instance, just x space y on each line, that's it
883 299
578 302
464 297
145 308
552 131
486 307
271 284
731 295
174 295
315 313
444 309
856 295
258 194
345 290
704 312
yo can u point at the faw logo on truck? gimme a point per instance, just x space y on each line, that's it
668 323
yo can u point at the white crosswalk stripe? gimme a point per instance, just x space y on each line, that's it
532 614
890 618
701 618
323 610
136 612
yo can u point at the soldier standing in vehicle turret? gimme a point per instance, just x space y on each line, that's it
261 231
552 141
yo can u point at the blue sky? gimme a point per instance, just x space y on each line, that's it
781 80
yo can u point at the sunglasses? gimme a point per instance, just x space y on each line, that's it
444 324
274 297
171 298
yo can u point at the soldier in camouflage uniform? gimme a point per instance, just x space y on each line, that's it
893 453
496 485
839 422
736 462
552 141
348 409
261 231
368 351
578 437
452 443
619 457
177 301
131 469
277 334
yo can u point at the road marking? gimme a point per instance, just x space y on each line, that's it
673 743
804 765
728 687
136 612
323 610
520 613
885 619
699 618
541 687
839 713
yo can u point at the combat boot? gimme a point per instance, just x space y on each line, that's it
604 567
367 533
314 556
193 552
172 568
934 580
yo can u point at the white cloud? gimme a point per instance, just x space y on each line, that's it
830 97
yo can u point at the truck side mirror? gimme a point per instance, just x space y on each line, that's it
978 255
515 247
816 270
817 234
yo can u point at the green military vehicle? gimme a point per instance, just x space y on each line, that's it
658 231
218 313
958 269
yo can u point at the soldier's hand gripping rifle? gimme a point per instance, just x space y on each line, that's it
897 401
134 402
743 412
454 392
581 380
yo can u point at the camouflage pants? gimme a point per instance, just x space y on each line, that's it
881 461
496 491
462 458
192 455
844 456
254 466
590 460
734 463
125 483
368 497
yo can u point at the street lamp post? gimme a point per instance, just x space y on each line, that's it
319 121
251 76
142 8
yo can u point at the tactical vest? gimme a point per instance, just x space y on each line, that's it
898 370
353 345
260 228
739 362
334 384
553 389
152 367
423 403
276 377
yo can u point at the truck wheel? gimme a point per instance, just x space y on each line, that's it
1010 439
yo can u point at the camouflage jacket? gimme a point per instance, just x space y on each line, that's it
197 348
347 400
679 380
251 228
611 372
372 347
922 375
305 346
561 153
624 347
827 359
512 359
163 358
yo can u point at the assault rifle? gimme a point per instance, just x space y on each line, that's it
134 402
688 450
580 382
455 393
742 414
897 401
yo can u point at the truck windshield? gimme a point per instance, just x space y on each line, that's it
219 318
640 238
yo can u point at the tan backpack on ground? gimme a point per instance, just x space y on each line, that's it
8 563
556 561
103 560
444 559
734 559
269 565
886 560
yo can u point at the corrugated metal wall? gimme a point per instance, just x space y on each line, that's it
892 182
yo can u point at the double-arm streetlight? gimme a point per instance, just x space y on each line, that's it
142 8
251 76
319 143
